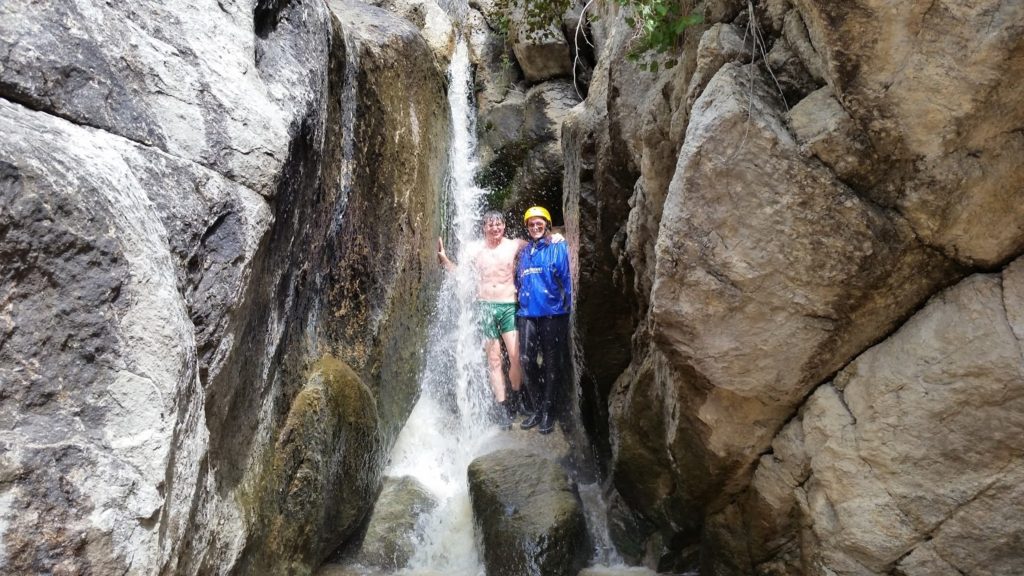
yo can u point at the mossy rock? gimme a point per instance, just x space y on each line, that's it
318 479
391 534
529 514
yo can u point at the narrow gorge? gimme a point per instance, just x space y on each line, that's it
796 233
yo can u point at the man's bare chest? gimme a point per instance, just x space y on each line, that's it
501 257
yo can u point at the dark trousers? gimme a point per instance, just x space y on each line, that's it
543 352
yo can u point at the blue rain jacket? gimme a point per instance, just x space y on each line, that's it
542 278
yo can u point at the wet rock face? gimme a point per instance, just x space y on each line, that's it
188 79
770 246
893 69
525 90
378 256
521 142
327 445
530 517
171 233
390 539
102 324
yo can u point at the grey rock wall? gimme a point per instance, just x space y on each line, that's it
118 261
774 237
202 367
527 85
189 79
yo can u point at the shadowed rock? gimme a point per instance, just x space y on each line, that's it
390 538
529 514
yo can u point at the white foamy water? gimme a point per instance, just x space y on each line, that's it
449 424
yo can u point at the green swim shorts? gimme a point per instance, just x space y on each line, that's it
496 318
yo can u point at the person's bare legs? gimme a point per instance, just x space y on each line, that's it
515 371
497 378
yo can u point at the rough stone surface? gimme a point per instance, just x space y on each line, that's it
159 319
497 75
722 43
191 78
911 459
327 445
434 24
788 73
120 261
529 514
896 69
825 130
858 218
382 280
543 54
604 318
390 539
521 147
794 33
770 280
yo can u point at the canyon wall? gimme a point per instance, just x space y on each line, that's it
797 293
216 224
800 297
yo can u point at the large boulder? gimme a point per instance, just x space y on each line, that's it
529 514
771 274
952 161
120 260
540 48
390 539
330 432
728 345
910 461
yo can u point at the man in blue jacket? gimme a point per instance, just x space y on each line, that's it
545 299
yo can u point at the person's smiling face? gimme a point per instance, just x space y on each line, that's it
536 227
494 229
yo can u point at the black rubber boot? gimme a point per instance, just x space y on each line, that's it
513 405
502 418
530 421
547 422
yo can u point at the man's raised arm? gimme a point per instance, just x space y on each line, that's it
442 258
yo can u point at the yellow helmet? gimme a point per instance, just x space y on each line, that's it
535 212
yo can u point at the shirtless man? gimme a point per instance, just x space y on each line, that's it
494 260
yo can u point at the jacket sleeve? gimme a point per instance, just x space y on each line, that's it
563 274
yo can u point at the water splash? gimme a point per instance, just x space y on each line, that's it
449 424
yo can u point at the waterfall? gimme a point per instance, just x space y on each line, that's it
449 423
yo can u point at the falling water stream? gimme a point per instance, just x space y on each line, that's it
449 425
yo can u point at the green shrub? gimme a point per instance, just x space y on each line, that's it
659 23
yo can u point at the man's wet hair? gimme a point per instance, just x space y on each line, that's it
492 215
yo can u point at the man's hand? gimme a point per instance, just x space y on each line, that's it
557 237
442 258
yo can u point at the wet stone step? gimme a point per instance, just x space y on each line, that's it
529 514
